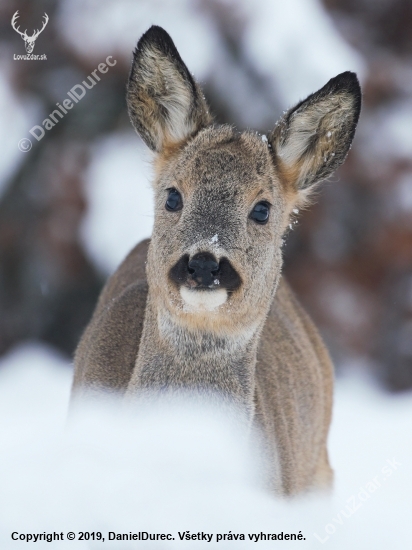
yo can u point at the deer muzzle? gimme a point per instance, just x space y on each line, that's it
204 272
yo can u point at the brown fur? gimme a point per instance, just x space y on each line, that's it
255 347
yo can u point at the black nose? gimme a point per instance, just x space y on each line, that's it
203 268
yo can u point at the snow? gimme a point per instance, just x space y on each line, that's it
97 28
348 305
120 199
387 134
292 47
170 470
295 45
403 193
214 239
17 117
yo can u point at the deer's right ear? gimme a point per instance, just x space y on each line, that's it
166 106
313 138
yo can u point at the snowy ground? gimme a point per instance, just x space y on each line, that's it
169 473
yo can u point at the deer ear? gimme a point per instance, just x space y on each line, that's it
313 138
165 104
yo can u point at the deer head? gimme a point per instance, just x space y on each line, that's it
29 41
224 198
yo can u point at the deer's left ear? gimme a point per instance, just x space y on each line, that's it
313 138
166 105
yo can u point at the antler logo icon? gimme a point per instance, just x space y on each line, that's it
29 41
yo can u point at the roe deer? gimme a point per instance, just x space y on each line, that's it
210 312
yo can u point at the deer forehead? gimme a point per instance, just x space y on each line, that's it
222 164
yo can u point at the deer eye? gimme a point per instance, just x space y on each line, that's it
260 212
174 201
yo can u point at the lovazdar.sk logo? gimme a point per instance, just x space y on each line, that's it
29 41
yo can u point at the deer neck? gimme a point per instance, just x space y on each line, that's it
173 358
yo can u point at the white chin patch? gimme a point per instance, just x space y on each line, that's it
203 300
